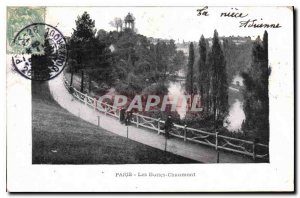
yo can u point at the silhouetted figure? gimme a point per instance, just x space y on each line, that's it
122 115
128 117
168 126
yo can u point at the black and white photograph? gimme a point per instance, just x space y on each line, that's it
151 86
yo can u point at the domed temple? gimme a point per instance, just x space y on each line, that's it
129 21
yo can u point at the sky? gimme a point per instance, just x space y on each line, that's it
169 22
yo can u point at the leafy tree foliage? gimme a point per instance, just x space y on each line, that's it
256 80
189 86
130 62
88 55
237 56
219 84
117 23
204 74
85 27
149 62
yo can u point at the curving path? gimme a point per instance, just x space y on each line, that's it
197 152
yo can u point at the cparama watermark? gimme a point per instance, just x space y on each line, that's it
151 102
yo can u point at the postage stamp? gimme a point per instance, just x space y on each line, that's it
17 19
145 86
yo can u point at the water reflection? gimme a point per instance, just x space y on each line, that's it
176 89
236 115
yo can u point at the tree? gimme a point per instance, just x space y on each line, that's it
219 84
256 95
102 36
237 56
265 45
203 78
85 27
178 61
189 77
40 64
89 54
117 23
82 37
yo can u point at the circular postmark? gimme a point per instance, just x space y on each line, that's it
39 52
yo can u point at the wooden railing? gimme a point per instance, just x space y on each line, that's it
245 147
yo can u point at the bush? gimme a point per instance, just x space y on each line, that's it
125 89
102 89
158 89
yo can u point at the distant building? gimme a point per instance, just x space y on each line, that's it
237 40
234 39
183 48
156 40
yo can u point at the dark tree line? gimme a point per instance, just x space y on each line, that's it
140 63
219 84
89 56
256 94
211 80
122 59
189 85
237 56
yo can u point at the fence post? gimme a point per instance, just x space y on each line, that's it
95 104
217 140
127 132
254 149
85 98
98 121
158 126
118 112
165 143
105 108
184 132
137 120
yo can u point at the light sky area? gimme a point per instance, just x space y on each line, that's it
169 22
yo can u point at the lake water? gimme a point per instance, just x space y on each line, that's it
176 89
236 116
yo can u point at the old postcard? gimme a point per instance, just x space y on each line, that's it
160 99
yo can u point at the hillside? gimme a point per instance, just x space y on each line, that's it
58 137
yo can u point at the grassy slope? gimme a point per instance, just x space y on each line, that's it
58 137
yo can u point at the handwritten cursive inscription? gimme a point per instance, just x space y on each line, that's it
233 14
203 11
255 24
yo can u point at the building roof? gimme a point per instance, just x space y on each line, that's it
129 17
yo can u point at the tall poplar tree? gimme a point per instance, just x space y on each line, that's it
203 78
256 94
190 77
219 84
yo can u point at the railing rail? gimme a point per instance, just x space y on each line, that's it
246 147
